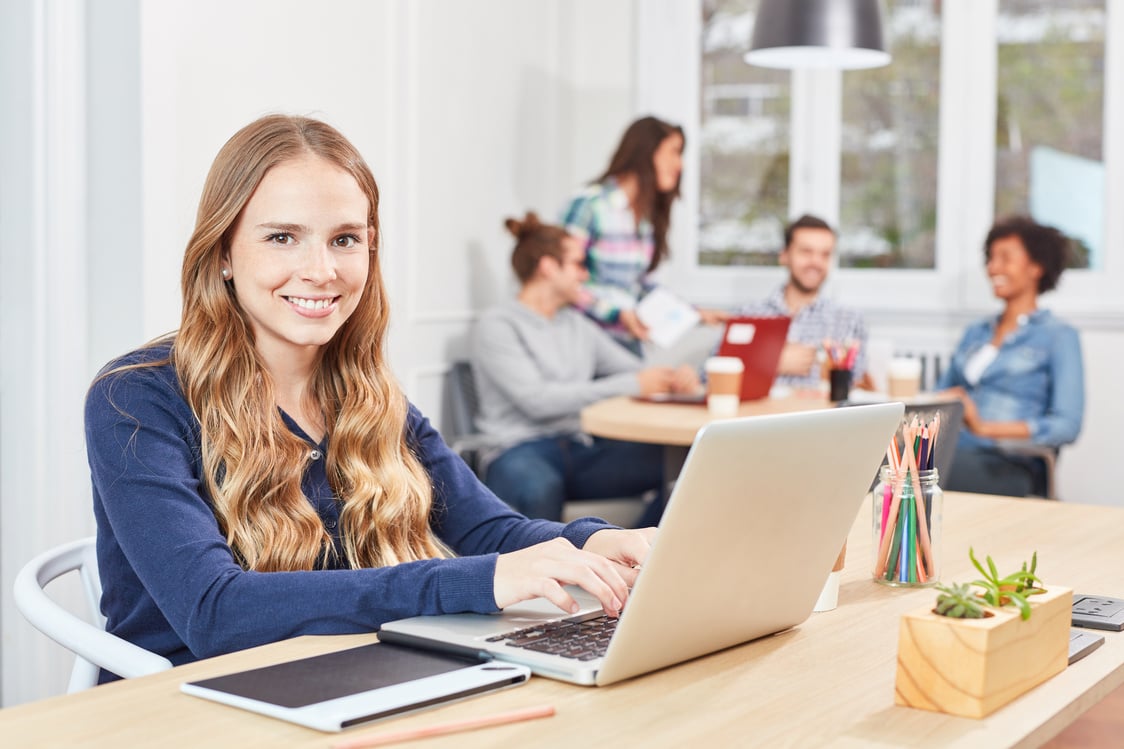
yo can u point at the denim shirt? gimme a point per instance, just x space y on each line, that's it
1036 377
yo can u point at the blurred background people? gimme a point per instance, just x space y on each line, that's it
622 220
1020 373
809 245
537 361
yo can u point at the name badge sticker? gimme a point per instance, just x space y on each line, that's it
741 333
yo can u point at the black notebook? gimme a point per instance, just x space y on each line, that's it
334 691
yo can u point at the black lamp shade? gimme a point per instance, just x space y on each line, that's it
840 34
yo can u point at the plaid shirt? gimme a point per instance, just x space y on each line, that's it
618 253
821 319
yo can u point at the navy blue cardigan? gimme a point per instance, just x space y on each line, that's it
171 583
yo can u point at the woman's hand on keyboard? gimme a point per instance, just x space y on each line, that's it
541 571
628 549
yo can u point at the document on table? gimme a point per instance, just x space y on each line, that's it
667 316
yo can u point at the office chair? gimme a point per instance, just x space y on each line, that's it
466 441
1046 455
952 419
93 647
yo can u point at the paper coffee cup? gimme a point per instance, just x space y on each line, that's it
723 385
829 596
904 378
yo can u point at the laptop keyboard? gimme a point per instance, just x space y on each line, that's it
582 638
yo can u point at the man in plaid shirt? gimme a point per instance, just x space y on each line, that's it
809 243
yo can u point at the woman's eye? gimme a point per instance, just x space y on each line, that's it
347 241
280 237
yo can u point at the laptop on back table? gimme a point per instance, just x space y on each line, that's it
751 530
758 342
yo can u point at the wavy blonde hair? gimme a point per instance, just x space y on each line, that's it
252 463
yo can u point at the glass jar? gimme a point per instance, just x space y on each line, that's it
906 520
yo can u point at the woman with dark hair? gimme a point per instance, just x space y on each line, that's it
1020 374
259 474
623 218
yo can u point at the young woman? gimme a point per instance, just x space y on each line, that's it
1019 375
259 475
623 219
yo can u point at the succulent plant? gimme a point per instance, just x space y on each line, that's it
959 602
1010 590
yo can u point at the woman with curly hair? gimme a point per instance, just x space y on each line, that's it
259 474
1019 374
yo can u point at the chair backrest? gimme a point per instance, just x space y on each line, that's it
464 404
463 399
952 419
94 648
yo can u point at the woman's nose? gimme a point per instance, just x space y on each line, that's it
319 264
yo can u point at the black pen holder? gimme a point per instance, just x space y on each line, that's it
840 385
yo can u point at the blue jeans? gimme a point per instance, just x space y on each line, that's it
537 476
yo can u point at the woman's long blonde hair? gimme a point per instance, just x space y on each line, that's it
252 463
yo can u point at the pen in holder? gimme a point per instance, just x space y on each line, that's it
907 507
842 363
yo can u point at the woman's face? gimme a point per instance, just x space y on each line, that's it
668 162
299 257
1011 270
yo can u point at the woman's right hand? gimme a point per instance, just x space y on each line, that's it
631 322
541 571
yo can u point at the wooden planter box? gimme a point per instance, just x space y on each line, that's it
972 667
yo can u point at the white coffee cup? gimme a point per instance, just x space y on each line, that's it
904 377
723 385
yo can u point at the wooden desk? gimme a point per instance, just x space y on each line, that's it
625 418
827 682
675 425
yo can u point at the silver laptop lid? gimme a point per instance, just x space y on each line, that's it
755 522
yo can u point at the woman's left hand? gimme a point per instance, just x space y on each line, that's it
713 316
626 548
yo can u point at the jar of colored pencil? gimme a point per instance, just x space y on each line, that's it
907 526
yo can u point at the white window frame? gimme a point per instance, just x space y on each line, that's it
668 59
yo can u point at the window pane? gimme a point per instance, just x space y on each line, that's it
743 201
1049 133
888 190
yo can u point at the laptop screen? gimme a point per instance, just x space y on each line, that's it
758 342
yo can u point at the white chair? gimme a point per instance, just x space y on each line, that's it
93 647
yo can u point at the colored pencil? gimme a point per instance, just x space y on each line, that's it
441 729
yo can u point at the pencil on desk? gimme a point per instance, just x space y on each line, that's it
440 729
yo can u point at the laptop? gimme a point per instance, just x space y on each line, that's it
751 531
758 342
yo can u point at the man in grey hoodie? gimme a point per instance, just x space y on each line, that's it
537 361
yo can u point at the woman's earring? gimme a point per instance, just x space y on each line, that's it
226 274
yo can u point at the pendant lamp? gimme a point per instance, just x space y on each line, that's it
826 34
